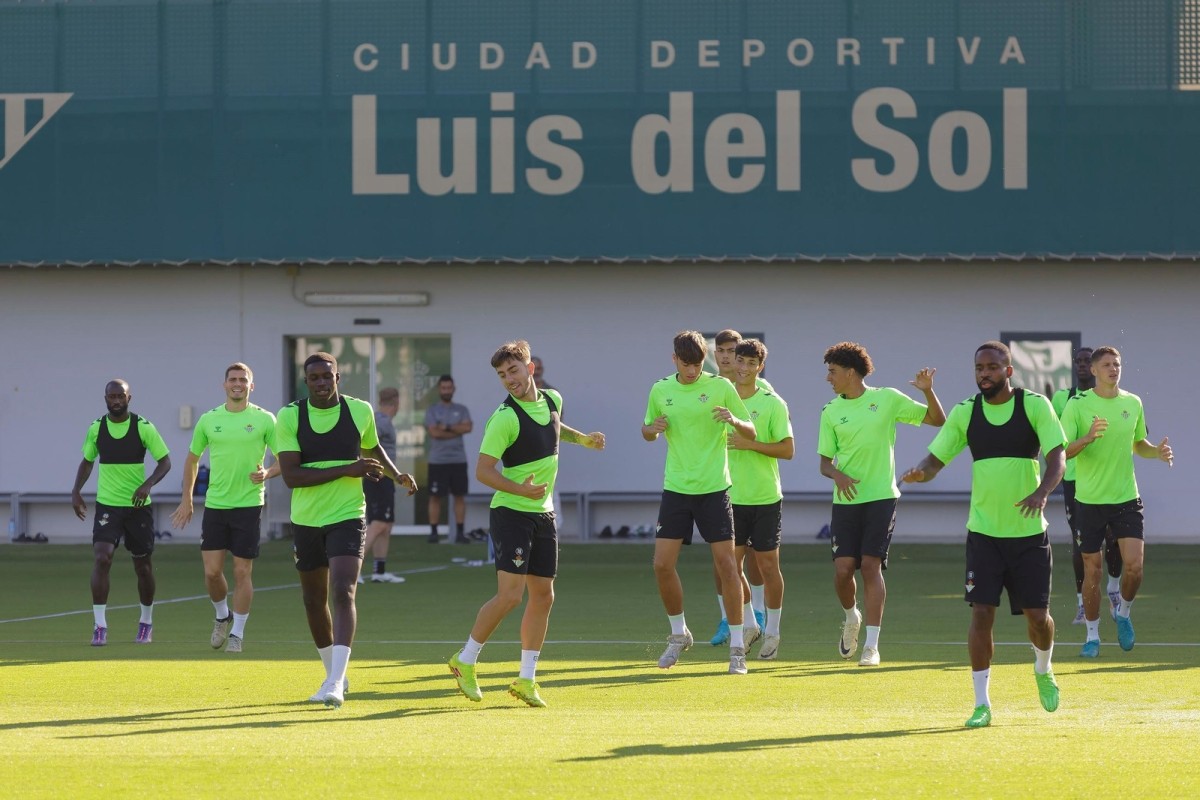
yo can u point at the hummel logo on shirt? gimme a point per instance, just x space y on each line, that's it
216 429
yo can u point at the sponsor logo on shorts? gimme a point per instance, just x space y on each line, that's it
519 558
970 581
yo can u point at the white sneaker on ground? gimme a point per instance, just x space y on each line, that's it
1079 617
220 632
848 644
234 645
750 636
386 577
676 644
737 661
333 695
770 647
870 657
319 697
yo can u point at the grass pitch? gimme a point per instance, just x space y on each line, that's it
178 719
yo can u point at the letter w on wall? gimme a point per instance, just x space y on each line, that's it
24 116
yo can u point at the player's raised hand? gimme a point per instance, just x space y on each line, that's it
924 379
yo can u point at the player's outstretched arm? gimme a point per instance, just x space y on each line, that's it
593 441
923 472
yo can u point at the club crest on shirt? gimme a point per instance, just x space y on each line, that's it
703 398
1125 414
753 416
873 407
519 558
249 429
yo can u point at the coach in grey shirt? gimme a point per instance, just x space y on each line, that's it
447 422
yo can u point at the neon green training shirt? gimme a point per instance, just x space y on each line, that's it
1104 469
341 499
116 483
998 484
756 476
236 443
1059 401
860 436
697 460
499 434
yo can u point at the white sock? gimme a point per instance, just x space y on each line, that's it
721 605
326 654
1041 659
339 663
98 612
773 615
1079 599
147 614
1114 584
678 626
872 637
529 659
736 637
221 607
748 618
1093 629
239 624
1124 607
758 597
852 614
470 651
980 679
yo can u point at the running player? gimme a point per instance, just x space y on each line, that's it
1084 380
757 494
691 408
121 440
1007 546
523 435
326 445
1106 426
236 435
857 445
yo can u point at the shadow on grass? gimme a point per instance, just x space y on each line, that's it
747 745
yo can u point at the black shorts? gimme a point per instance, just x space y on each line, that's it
759 527
313 547
1020 565
134 525
863 529
1116 521
234 529
712 513
525 542
447 479
381 499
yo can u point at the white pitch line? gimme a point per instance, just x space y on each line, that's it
185 599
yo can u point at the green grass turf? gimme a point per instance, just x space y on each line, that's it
177 719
